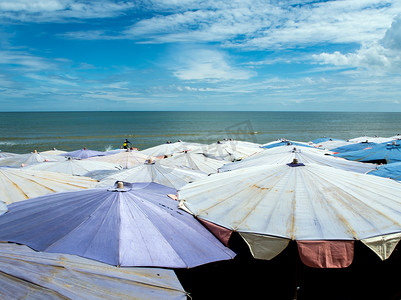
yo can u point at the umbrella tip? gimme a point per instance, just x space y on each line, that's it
35 151
120 185
295 161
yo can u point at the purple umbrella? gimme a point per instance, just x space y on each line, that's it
133 225
83 153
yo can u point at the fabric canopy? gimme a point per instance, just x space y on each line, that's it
192 161
284 154
136 225
383 153
21 184
27 274
74 166
154 172
296 202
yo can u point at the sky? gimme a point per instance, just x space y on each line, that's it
207 55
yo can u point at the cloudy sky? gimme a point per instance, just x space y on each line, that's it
284 55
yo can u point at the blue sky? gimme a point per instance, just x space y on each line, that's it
285 55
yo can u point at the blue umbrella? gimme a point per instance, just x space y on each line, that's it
392 171
130 225
355 147
83 153
382 153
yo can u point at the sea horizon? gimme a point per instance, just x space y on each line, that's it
23 132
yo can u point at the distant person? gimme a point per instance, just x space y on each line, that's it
125 144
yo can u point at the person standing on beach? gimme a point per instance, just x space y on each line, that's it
125 144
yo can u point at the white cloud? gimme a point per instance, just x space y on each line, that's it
267 24
61 10
380 56
207 65
25 61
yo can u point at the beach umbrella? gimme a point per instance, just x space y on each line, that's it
283 143
370 139
169 148
323 209
126 159
154 172
126 225
284 154
236 143
392 171
74 166
354 147
382 153
27 274
21 184
53 151
22 160
193 161
227 151
83 153
7 154
396 137
331 144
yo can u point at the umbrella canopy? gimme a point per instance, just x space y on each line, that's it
125 159
227 151
332 144
396 137
382 153
193 161
22 160
27 274
54 151
130 225
371 139
22 184
284 154
153 172
83 153
324 209
169 148
354 147
392 171
283 143
74 166
7 154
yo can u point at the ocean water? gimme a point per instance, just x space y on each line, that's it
26 131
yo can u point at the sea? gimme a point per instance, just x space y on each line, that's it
24 132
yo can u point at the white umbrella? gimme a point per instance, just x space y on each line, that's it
226 151
74 166
371 139
53 151
126 159
284 154
323 208
7 154
154 172
169 148
27 274
23 160
193 161
22 184
332 144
